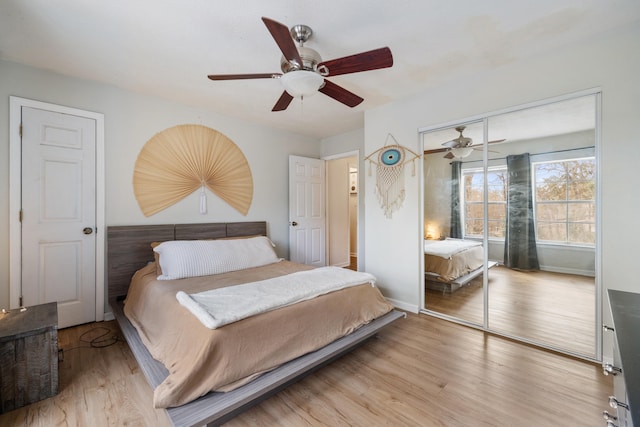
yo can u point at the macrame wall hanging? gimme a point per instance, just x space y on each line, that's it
186 158
390 161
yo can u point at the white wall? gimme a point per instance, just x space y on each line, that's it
609 62
131 120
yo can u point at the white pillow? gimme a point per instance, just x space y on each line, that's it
191 258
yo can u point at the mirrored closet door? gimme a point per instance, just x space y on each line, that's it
510 206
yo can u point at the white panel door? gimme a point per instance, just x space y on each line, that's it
59 213
307 210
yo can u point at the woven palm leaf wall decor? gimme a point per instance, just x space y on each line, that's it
185 158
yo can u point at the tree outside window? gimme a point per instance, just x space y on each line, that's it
564 201
473 202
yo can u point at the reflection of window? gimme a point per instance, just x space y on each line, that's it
565 201
473 198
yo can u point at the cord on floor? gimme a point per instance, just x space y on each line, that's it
105 339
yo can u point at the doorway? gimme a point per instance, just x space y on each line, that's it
51 231
342 210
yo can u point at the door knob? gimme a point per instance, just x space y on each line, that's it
293 223
87 230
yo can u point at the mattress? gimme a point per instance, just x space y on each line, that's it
449 259
200 360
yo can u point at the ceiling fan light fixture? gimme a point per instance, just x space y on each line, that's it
301 83
461 152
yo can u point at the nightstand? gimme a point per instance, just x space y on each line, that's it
28 355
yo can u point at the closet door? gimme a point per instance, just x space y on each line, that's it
454 248
515 194
544 288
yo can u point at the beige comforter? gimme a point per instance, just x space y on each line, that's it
446 270
200 360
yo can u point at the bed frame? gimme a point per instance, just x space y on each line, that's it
128 249
434 283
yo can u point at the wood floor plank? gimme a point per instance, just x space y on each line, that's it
419 371
553 309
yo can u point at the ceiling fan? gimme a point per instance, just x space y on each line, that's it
304 72
459 147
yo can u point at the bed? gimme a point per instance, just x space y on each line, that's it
227 368
452 263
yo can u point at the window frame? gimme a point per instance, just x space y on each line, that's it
463 200
566 202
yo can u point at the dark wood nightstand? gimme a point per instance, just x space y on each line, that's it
28 355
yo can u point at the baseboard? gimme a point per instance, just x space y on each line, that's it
404 306
108 316
575 271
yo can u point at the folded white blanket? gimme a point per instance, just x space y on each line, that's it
448 247
218 307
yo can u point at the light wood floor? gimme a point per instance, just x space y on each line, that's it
420 371
551 308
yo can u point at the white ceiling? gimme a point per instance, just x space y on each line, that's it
167 48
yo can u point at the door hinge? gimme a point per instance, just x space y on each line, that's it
20 215
20 301
20 130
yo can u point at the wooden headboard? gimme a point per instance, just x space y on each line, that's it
128 247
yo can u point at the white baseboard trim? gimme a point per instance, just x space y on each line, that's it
108 316
575 271
404 306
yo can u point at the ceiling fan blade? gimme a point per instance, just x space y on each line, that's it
436 150
477 146
340 94
283 102
282 36
454 143
244 76
365 61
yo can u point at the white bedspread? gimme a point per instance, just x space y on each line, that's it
218 307
448 247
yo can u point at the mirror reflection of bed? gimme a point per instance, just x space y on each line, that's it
452 263
553 300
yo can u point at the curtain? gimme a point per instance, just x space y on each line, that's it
456 223
520 241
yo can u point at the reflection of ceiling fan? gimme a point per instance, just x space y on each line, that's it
459 147
304 71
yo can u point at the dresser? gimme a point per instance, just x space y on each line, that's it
625 401
28 355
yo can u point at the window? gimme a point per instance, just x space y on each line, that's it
565 201
473 198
